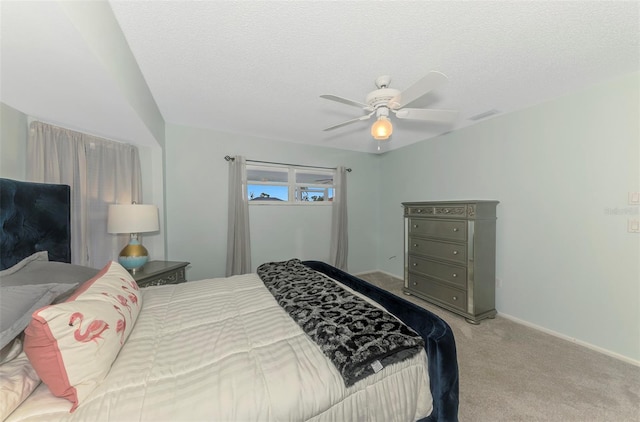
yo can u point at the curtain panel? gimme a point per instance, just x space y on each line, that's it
339 248
99 171
238 238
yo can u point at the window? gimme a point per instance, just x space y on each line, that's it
282 184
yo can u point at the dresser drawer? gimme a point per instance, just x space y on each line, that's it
456 275
159 273
450 230
440 250
173 277
450 295
441 210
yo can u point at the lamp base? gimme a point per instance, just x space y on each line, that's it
133 256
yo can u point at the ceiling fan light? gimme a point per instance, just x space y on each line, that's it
382 129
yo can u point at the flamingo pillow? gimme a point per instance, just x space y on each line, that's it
72 345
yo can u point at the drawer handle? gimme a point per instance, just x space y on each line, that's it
455 298
415 245
415 226
455 275
414 264
419 210
455 229
455 252
415 284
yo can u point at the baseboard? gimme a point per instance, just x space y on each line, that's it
378 271
572 340
615 355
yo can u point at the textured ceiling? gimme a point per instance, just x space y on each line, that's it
258 68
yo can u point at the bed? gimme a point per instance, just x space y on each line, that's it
295 341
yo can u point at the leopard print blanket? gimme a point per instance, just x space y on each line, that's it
359 338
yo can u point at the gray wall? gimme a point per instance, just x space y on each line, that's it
196 193
560 171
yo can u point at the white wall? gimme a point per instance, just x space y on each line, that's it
13 152
196 192
560 171
13 140
99 29
96 23
151 165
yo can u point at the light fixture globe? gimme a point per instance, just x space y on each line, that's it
382 129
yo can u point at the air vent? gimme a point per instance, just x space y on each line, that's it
485 114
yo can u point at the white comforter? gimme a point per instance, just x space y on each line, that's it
224 350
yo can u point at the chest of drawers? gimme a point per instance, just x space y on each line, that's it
450 254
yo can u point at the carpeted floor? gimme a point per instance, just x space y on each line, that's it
511 372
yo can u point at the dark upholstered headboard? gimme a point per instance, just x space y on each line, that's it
34 217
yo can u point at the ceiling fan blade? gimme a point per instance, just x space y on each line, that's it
432 81
430 114
348 122
344 101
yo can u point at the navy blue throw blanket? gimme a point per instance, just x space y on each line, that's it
438 337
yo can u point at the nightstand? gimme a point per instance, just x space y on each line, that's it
158 273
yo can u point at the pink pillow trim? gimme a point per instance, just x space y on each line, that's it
46 358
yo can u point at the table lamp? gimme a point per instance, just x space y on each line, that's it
133 219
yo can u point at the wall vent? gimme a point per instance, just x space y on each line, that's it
485 114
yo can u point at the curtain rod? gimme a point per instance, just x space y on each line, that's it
228 158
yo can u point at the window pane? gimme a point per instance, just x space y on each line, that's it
267 193
271 184
265 174
311 194
314 177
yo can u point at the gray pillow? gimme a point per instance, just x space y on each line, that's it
17 303
31 284
37 269
38 256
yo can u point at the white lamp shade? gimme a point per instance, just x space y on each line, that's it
132 218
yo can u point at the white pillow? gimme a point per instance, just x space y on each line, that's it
18 379
72 345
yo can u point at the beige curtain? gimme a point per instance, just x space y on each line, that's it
339 250
99 171
238 238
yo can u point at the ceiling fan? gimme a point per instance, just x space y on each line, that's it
384 99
